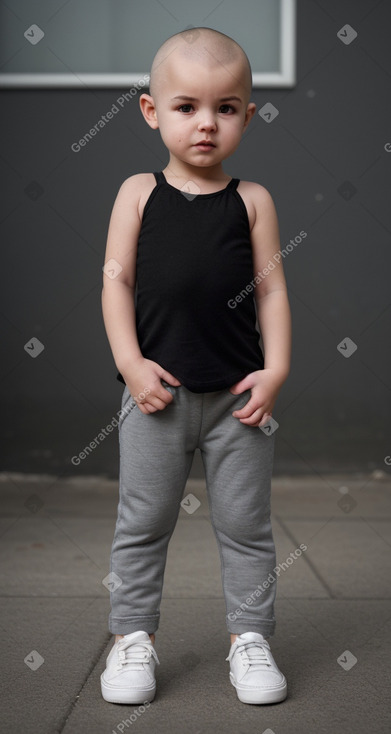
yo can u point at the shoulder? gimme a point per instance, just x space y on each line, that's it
257 199
137 181
258 193
137 184
136 189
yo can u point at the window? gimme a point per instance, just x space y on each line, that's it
111 43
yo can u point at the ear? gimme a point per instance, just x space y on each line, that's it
148 109
251 109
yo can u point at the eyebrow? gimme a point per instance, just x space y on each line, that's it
194 99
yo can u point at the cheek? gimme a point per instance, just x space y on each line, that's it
238 130
232 133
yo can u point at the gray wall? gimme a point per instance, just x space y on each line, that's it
325 161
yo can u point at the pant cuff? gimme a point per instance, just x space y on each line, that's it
263 626
126 625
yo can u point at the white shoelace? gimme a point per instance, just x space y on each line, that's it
258 655
127 655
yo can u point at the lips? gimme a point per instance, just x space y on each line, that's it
205 143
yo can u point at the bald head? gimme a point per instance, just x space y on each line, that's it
204 46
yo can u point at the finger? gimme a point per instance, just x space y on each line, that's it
252 421
147 408
163 395
152 405
160 403
143 409
265 419
168 377
248 409
159 398
245 384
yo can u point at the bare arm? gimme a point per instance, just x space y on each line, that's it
119 282
120 323
271 293
118 306
273 311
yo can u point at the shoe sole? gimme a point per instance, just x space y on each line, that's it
114 694
256 695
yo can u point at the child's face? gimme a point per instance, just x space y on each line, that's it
217 111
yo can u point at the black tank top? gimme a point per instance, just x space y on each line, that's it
194 257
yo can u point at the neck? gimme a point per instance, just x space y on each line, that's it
182 172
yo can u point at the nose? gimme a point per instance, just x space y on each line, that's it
207 121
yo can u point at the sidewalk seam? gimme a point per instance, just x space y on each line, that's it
305 557
92 667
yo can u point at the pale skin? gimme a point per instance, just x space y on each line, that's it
183 123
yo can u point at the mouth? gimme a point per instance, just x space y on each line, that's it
205 145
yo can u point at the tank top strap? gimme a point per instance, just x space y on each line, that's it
159 177
234 182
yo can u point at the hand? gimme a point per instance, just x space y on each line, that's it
265 386
143 381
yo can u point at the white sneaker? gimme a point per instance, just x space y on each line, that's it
254 672
130 670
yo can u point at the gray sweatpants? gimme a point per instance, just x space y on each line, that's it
156 453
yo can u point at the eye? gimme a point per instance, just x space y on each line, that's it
181 108
225 108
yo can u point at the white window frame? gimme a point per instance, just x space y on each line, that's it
285 77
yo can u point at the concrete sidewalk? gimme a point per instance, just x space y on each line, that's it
333 612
